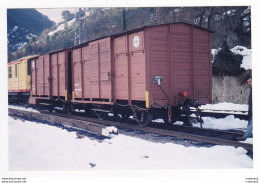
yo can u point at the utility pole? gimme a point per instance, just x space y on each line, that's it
158 15
78 27
124 20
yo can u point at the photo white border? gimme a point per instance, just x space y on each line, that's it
177 175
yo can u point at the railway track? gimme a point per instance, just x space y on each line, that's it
215 137
223 113
99 129
196 134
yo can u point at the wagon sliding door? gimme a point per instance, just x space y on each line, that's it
77 74
59 71
100 70
46 66
121 69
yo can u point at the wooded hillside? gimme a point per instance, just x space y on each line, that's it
232 24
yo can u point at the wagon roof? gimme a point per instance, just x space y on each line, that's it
147 26
56 51
52 52
139 29
21 59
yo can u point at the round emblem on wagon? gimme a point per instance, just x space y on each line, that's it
136 41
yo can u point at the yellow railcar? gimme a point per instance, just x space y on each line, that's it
19 79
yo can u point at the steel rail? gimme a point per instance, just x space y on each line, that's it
199 138
223 115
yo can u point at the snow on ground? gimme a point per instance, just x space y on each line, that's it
22 108
36 146
227 123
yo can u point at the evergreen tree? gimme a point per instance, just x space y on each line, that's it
67 16
226 63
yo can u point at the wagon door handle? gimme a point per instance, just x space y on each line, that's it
50 78
109 75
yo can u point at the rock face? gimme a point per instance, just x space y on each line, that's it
228 89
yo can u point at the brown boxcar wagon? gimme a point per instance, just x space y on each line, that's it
150 72
50 79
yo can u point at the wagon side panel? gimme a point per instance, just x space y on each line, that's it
202 65
158 63
100 70
86 69
46 75
181 61
54 71
94 70
137 66
62 73
77 81
105 69
121 68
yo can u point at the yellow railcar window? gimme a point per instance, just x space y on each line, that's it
10 72
16 70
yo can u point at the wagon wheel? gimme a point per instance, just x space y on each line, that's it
68 108
144 118
88 111
50 108
123 118
100 115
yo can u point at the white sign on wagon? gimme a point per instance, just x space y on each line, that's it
136 41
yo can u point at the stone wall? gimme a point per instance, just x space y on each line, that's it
228 89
